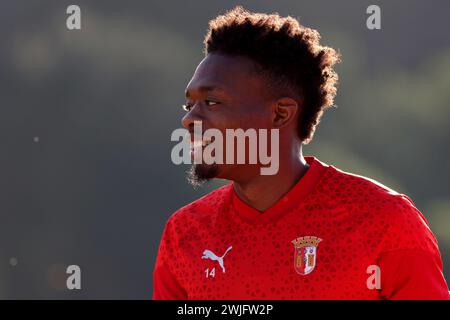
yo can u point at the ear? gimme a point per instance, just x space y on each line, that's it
285 111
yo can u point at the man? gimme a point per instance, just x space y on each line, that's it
310 231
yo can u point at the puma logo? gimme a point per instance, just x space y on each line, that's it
208 254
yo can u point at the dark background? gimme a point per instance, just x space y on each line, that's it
86 116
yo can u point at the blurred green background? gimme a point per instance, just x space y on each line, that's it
86 117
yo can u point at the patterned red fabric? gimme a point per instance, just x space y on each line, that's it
316 242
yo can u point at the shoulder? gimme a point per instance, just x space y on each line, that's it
363 192
389 218
187 220
356 188
203 208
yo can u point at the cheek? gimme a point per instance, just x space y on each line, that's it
226 119
257 119
246 117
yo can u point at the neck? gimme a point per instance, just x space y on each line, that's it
261 192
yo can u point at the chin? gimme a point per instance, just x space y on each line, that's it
198 174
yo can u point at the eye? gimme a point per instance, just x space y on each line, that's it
210 103
186 107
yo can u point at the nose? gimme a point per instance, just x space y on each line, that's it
188 120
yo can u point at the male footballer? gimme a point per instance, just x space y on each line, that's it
307 231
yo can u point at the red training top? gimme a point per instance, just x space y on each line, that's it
334 235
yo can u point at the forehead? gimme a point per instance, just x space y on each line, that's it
233 74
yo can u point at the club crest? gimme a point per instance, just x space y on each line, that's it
305 254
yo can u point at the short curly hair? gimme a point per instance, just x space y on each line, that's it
287 53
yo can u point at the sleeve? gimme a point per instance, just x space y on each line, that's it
165 284
412 275
410 262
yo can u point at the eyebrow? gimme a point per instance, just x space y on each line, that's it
205 89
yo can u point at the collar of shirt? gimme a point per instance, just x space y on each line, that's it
294 196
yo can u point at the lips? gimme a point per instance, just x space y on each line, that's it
201 143
197 145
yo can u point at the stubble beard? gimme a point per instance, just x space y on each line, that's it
199 174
